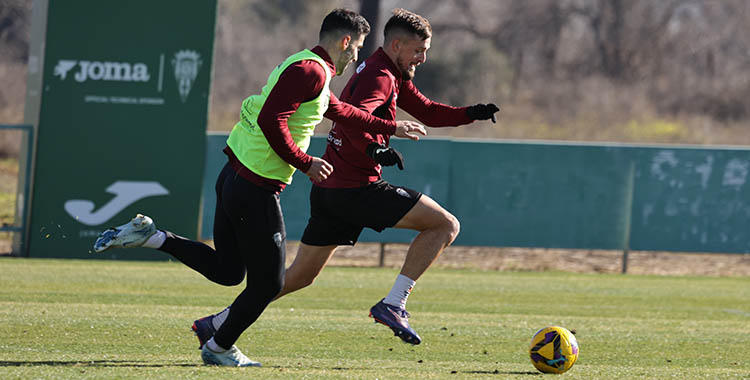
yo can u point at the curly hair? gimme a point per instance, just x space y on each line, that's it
407 22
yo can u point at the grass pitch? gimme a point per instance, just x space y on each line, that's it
66 319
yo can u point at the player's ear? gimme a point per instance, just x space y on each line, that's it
345 41
395 45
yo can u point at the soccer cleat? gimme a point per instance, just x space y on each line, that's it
397 319
229 358
131 234
204 329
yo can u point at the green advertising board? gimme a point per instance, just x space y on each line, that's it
120 114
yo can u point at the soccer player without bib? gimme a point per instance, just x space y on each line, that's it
264 149
355 195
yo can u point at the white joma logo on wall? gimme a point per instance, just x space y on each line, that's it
109 71
126 193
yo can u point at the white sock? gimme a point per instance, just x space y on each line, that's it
400 291
220 318
215 347
156 240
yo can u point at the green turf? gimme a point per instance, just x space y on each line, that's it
65 319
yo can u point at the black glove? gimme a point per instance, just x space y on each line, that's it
386 156
482 112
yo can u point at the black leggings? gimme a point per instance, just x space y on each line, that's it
250 238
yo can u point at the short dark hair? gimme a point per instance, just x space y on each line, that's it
408 22
344 20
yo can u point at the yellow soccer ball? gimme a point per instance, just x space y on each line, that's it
553 349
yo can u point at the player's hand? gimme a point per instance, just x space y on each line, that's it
482 112
386 156
409 129
319 170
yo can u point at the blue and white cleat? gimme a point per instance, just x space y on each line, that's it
128 235
397 319
230 358
204 329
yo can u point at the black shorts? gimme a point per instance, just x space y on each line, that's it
337 216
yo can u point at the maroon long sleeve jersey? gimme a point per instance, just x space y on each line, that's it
301 82
377 87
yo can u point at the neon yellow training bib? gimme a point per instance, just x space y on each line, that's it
247 140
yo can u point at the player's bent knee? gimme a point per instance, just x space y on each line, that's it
233 278
454 226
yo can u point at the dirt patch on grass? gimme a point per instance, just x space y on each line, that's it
540 259
537 259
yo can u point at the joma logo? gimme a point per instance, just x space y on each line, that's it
110 71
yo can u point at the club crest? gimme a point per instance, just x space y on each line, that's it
186 64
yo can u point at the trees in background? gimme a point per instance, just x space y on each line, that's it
15 25
602 60
15 19
688 56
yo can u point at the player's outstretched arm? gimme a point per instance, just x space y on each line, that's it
348 116
434 114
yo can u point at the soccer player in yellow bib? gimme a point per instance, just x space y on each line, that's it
264 149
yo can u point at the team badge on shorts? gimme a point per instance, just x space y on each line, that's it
402 192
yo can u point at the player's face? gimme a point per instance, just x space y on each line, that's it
412 53
349 54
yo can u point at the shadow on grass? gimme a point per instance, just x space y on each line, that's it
93 363
319 368
496 372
